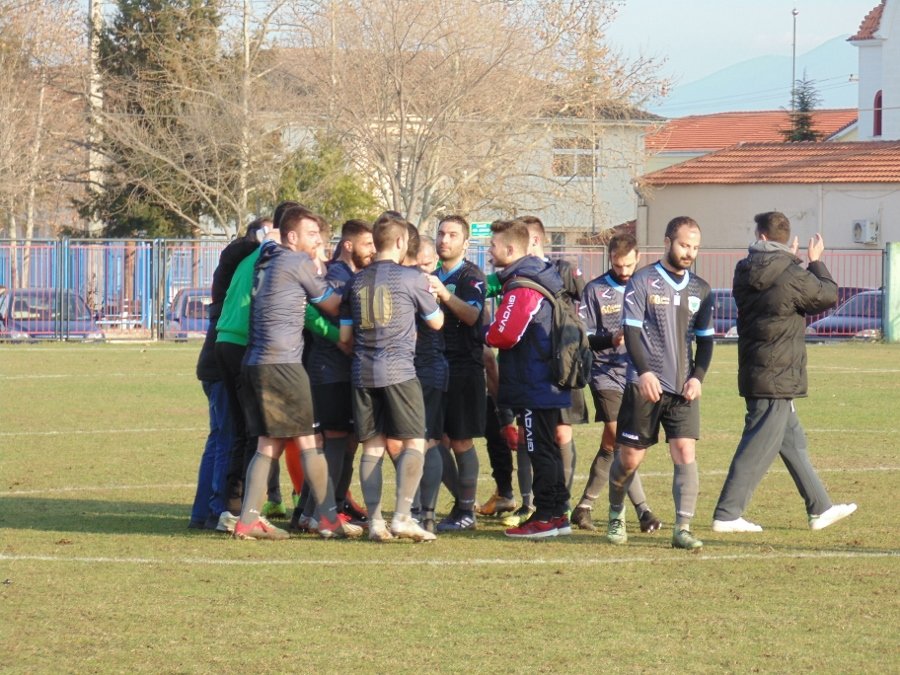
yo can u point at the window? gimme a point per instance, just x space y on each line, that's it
573 157
876 109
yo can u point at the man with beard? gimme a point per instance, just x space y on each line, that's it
460 287
602 305
666 307
329 370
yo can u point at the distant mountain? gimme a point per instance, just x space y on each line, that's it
764 83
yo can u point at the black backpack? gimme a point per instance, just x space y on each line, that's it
571 354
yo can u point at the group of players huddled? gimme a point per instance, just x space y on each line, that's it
386 343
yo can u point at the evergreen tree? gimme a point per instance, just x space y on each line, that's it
805 98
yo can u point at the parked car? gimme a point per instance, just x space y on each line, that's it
188 314
724 313
844 294
859 317
46 314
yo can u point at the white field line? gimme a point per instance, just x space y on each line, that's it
471 562
389 480
83 376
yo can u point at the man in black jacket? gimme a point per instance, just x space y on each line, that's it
773 294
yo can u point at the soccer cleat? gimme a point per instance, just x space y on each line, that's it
683 538
337 528
649 522
581 518
260 529
273 510
736 525
563 525
518 516
356 516
379 532
534 529
457 521
227 521
404 527
831 516
496 505
615 529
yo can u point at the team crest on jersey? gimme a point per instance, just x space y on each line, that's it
693 303
656 284
606 294
451 288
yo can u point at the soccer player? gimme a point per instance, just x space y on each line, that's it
285 280
378 318
329 368
602 303
773 293
666 308
521 331
460 286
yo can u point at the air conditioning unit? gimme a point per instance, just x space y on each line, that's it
865 232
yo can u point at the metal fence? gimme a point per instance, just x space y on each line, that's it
128 285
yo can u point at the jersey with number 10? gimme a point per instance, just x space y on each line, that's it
669 311
381 303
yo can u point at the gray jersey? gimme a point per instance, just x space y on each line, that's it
283 282
669 311
381 303
327 364
602 303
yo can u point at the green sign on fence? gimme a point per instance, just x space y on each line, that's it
479 230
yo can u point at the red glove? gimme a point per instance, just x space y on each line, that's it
511 434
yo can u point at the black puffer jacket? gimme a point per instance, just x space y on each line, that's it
773 294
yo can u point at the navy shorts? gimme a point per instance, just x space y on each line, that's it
639 420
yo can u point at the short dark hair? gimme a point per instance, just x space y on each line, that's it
294 215
412 247
677 223
354 228
534 224
254 228
459 220
390 213
387 230
775 225
279 212
515 230
621 244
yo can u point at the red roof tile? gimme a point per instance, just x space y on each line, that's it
869 162
870 24
704 133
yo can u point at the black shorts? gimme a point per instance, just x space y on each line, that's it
639 420
333 404
282 404
606 404
465 405
434 411
577 412
397 411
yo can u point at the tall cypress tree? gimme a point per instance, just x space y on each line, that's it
805 99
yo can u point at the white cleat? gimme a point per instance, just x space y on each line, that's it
407 528
831 516
736 525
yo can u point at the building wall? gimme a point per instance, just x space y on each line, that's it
870 76
725 212
890 64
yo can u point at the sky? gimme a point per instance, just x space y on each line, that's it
699 37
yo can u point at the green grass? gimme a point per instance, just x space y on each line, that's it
98 452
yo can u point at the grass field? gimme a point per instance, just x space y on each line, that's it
98 452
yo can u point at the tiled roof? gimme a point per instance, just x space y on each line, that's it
870 24
721 130
869 162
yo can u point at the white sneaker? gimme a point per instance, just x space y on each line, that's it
378 531
831 516
227 521
736 525
405 527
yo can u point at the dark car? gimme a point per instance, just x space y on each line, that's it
188 314
724 313
46 314
859 317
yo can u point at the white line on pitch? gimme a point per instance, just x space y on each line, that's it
472 562
81 376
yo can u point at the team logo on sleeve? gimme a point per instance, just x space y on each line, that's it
693 303
478 285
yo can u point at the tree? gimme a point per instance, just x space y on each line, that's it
443 103
804 98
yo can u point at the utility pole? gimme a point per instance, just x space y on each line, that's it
95 106
794 63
